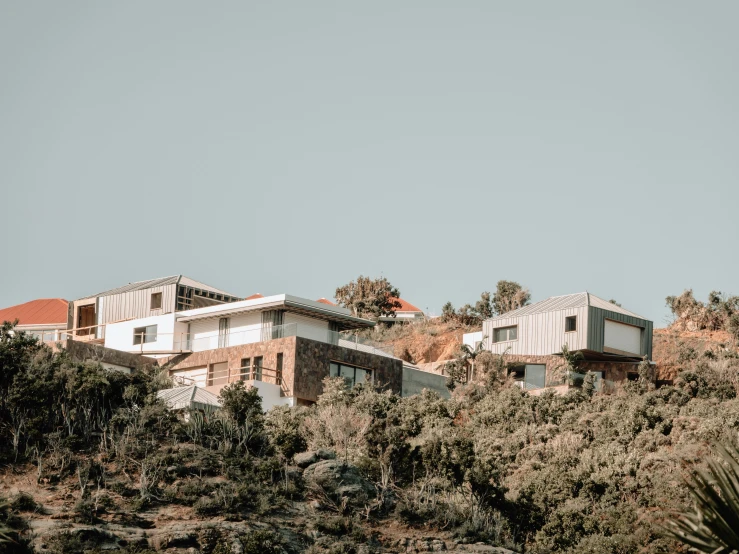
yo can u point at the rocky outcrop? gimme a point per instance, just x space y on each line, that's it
338 482
305 459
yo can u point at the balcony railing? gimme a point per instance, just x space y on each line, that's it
225 376
183 342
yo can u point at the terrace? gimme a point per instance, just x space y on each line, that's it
148 340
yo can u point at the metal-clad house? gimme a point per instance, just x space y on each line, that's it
88 316
598 328
612 339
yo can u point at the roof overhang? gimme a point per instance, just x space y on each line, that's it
293 304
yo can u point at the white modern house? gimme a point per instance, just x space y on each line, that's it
612 340
237 323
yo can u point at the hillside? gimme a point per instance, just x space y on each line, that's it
427 343
422 343
92 463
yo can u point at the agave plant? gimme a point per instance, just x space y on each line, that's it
713 527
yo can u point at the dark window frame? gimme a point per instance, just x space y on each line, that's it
158 297
571 324
341 366
507 328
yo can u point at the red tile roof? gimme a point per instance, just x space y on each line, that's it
254 296
406 307
325 301
44 311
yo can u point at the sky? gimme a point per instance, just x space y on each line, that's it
288 147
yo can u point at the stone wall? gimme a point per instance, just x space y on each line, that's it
313 359
612 371
87 351
234 354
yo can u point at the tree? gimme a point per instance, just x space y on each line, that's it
447 313
509 296
714 525
468 355
371 298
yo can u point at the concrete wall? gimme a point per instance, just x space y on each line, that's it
415 380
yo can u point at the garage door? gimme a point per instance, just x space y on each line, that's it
622 339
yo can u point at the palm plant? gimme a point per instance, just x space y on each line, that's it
713 526
469 354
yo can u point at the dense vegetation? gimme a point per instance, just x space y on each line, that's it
581 473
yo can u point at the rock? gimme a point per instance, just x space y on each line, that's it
339 480
304 459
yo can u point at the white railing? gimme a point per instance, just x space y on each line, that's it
184 342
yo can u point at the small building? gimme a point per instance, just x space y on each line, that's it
407 312
612 340
45 318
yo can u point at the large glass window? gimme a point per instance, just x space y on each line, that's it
352 375
503 334
145 334
535 376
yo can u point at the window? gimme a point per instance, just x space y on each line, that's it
257 368
224 326
503 334
571 323
279 366
217 374
352 375
156 301
245 369
142 335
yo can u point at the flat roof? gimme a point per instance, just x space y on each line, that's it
280 301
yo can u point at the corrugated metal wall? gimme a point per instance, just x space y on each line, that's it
136 304
596 329
539 334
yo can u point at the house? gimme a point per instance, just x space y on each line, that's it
283 345
612 340
407 312
88 317
45 318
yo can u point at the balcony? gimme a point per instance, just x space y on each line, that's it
266 380
151 342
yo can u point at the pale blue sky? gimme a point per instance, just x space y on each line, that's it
290 146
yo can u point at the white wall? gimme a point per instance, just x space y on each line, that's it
622 337
471 339
119 336
270 393
193 376
244 329
116 367
308 327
